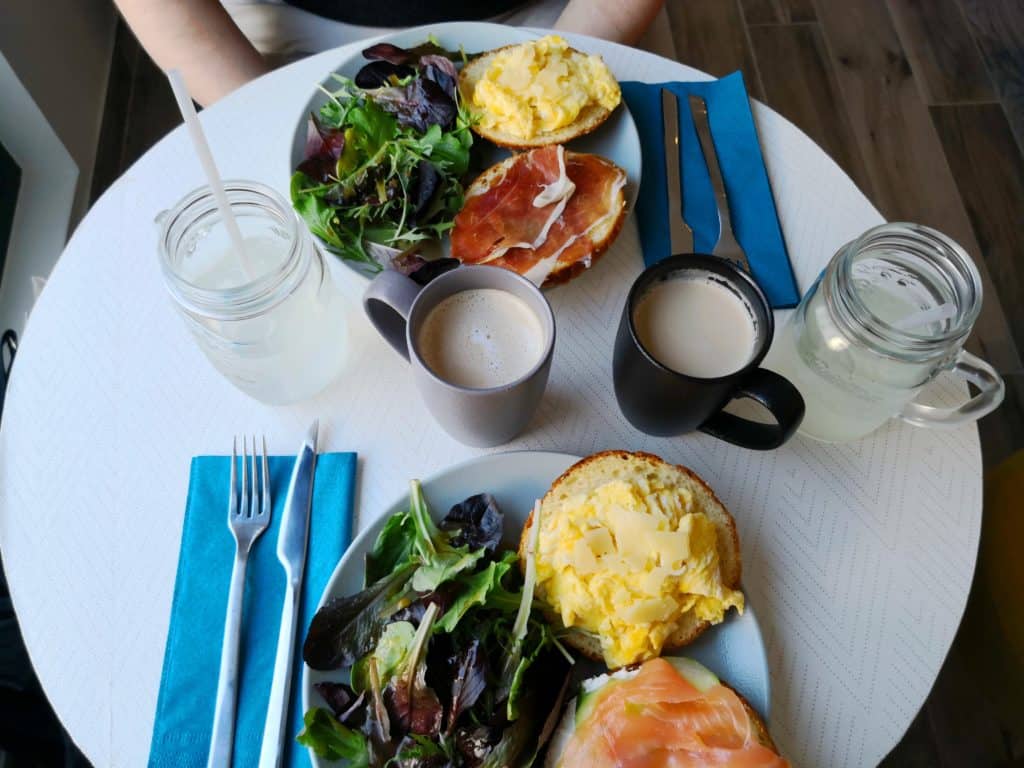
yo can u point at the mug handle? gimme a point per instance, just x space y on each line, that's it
776 394
974 370
387 302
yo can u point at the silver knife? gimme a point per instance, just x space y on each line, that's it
727 247
679 232
291 551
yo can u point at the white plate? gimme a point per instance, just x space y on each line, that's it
617 139
733 650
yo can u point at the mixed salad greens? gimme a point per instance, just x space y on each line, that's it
385 157
446 663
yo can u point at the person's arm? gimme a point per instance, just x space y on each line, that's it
621 21
199 38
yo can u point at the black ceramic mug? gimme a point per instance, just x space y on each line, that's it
664 402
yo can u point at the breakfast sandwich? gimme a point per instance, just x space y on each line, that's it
537 93
667 713
634 556
546 214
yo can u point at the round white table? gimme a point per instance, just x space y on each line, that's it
857 557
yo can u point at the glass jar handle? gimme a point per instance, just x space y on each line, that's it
977 372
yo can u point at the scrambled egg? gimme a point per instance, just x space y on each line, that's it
539 87
626 562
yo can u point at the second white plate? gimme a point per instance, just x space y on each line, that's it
733 650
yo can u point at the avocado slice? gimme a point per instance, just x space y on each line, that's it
592 690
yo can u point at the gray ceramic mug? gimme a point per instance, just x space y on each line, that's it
397 307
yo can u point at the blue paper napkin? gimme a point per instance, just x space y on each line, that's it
754 218
188 686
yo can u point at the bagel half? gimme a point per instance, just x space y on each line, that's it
577 711
590 117
593 471
604 224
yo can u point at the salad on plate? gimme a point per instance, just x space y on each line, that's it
441 659
385 156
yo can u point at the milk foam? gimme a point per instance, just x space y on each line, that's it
481 337
696 326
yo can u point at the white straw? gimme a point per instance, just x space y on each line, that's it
925 317
195 132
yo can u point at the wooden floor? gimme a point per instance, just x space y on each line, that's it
922 103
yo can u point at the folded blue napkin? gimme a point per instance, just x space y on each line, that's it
188 686
754 218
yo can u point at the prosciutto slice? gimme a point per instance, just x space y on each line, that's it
516 210
570 243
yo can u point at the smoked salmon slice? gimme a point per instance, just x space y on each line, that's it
658 719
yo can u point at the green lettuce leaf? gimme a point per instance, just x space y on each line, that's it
333 741
475 588
444 566
395 642
394 547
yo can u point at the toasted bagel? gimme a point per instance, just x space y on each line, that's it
596 470
575 258
589 118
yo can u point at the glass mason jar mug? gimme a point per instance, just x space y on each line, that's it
273 324
890 312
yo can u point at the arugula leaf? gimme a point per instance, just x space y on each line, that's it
395 642
347 628
333 741
394 546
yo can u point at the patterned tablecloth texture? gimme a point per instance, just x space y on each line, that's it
857 557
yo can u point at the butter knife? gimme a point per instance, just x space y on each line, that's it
727 247
679 232
292 539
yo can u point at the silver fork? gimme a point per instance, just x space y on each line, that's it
248 517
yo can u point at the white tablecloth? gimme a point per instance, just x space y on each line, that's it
857 557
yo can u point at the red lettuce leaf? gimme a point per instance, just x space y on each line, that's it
412 704
388 52
469 683
378 74
324 145
341 699
476 522
418 105
442 71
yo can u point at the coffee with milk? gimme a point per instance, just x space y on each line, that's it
696 326
481 338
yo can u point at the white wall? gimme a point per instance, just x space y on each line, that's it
59 51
